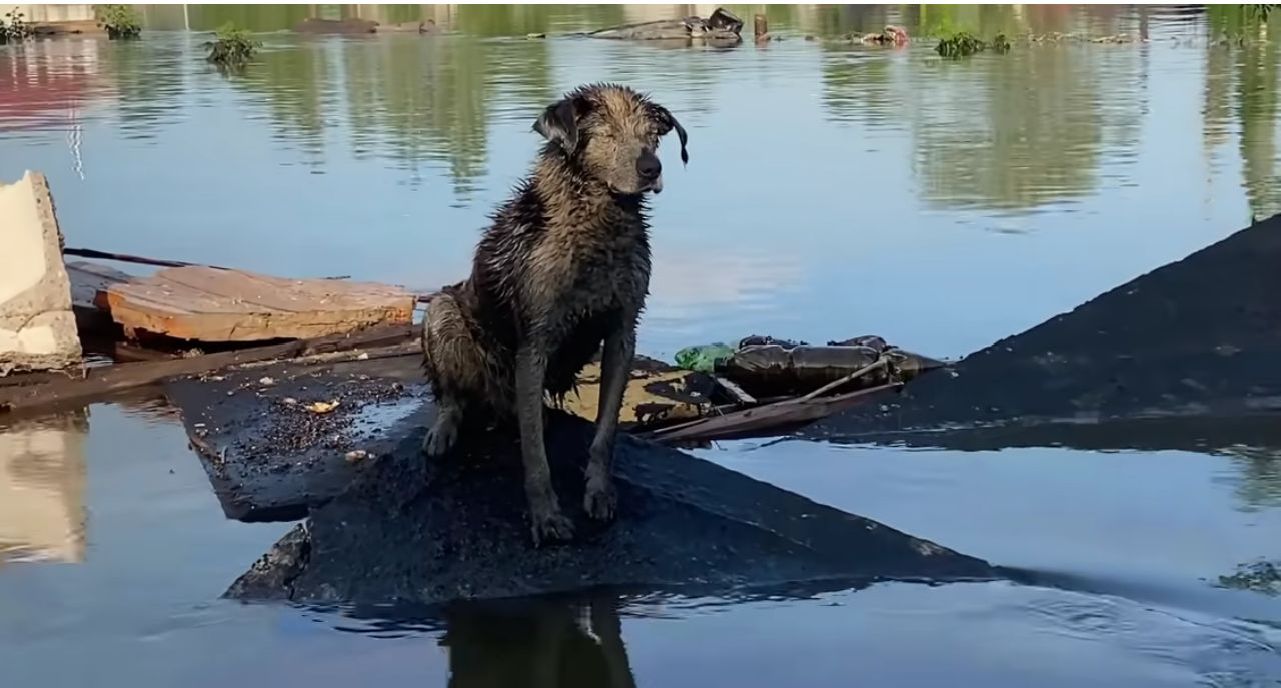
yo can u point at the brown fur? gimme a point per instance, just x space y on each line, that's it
564 266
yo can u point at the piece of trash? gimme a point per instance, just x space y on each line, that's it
364 356
535 35
705 358
321 406
767 370
266 381
357 455
289 401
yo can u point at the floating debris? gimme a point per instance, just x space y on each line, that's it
1060 37
320 406
964 44
1259 576
720 26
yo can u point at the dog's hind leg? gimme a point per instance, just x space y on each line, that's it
443 433
454 364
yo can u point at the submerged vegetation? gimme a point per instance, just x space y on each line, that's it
233 48
13 27
964 44
1259 576
119 21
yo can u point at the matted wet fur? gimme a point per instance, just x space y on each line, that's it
563 268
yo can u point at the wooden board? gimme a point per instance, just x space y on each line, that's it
216 305
38 391
87 281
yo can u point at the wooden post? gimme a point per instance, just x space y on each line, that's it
761 26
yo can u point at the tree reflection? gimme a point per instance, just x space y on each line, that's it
997 132
1241 83
296 85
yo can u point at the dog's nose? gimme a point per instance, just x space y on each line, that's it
648 166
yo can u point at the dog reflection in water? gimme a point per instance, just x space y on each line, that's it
537 644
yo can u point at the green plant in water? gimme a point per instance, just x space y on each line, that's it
14 28
1000 44
960 44
233 48
120 21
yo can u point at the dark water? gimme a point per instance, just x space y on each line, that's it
832 191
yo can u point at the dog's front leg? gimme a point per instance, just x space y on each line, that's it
546 520
600 499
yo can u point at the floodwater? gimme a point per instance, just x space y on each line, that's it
832 191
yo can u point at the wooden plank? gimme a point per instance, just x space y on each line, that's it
33 391
88 280
217 305
764 419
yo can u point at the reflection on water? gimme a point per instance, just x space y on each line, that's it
1259 486
548 645
42 489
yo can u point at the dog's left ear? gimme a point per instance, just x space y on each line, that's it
667 122
559 122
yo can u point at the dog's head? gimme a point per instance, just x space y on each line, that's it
611 133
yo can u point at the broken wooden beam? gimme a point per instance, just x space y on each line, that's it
49 389
87 281
776 417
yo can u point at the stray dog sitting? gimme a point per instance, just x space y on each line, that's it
563 267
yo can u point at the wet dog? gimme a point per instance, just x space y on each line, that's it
563 268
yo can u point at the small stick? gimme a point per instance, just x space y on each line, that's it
126 258
880 363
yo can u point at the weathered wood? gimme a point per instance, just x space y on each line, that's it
219 305
738 394
87 281
760 26
762 419
47 389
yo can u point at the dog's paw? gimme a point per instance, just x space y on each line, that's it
600 499
550 525
440 439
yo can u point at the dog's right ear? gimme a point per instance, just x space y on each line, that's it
559 122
